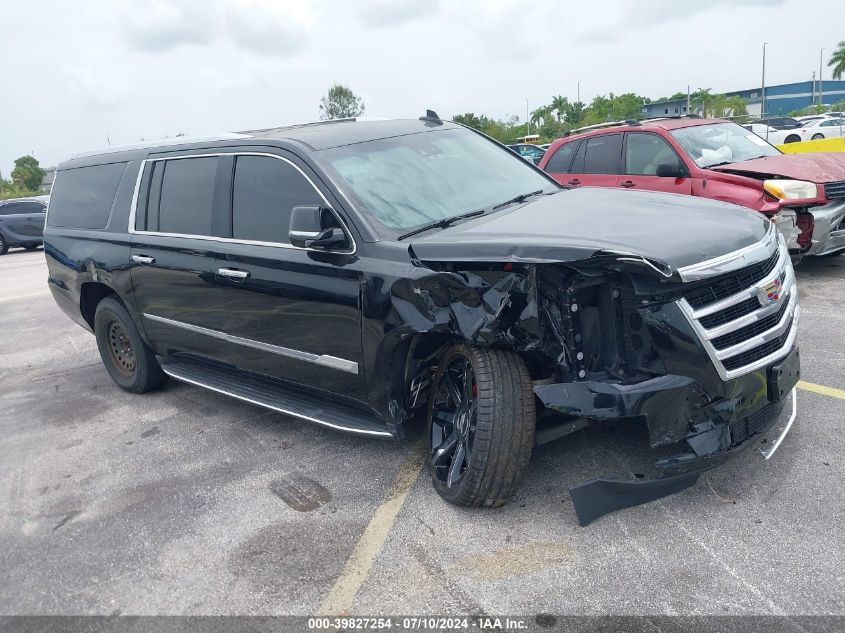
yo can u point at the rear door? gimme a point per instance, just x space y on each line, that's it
597 162
173 251
294 312
645 153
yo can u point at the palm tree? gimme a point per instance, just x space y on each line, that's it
837 60
560 105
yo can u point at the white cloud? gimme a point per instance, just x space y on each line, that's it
162 25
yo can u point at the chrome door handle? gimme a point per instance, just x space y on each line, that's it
233 273
143 259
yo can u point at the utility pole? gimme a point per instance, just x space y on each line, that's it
814 86
527 116
821 83
579 91
763 85
688 103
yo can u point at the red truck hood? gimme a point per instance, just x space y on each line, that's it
818 167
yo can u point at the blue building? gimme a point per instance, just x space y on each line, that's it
781 99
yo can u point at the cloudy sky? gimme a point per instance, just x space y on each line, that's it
75 74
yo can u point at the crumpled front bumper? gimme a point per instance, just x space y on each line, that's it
689 431
828 228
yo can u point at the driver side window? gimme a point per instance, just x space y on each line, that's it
644 152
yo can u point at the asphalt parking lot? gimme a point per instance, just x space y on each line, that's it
187 502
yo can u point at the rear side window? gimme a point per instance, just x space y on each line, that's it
187 194
561 159
264 192
83 197
603 154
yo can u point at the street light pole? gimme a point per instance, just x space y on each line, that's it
821 83
579 91
763 85
527 117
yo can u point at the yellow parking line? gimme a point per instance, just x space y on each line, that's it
822 389
363 556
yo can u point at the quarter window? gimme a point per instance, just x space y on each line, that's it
644 152
82 198
264 193
187 193
601 155
561 159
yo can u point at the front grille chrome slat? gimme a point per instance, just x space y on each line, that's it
744 348
755 316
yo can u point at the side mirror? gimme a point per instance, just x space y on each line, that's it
308 229
671 170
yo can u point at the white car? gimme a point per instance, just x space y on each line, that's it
776 137
823 128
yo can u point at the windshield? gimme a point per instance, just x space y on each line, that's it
719 143
408 181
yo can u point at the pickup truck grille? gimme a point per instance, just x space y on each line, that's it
834 190
748 318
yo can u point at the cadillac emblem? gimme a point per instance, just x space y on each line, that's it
770 293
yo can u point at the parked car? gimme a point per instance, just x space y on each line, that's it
823 128
22 222
779 122
528 151
353 274
712 158
777 137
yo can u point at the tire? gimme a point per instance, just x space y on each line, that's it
129 361
31 247
792 138
4 245
817 137
479 448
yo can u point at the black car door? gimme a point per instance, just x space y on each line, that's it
293 312
175 227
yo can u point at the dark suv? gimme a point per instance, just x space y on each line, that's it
22 222
355 273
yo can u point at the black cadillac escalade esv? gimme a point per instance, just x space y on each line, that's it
352 272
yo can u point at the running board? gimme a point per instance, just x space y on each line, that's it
273 394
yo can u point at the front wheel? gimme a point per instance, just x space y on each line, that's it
4 245
792 139
818 137
129 361
481 425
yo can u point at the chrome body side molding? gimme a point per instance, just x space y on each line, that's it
325 360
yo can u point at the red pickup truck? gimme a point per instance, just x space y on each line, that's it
804 194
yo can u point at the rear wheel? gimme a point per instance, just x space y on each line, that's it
4 245
481 426
129 361
817 137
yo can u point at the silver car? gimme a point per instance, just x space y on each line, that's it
22 222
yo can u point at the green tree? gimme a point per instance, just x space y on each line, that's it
560 105
837 60
27 174
340 103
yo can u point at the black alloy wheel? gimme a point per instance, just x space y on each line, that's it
453 422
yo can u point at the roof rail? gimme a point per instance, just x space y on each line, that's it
599 126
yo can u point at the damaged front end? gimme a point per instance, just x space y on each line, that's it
703 356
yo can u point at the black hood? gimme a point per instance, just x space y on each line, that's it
669 230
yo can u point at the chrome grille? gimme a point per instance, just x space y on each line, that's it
835 190
747 329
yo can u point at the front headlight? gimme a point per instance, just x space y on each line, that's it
790 189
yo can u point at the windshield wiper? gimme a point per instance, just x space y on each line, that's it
445 222
520 198
442 224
